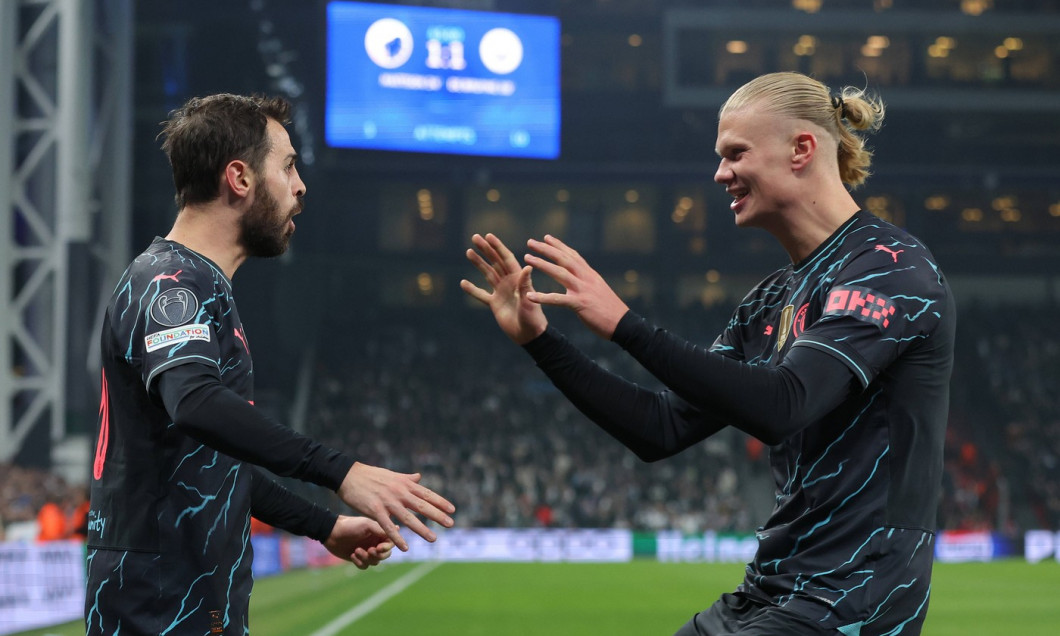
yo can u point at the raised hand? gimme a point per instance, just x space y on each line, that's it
381 494
588 295
518 317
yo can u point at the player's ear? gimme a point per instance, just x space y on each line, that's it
803 147
237 178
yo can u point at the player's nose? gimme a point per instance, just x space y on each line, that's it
299 186
724 173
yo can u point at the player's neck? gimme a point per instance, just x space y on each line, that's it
814 220
213 231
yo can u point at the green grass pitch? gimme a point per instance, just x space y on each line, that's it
638 598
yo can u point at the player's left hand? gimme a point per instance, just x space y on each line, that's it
588 295
360 541
386 496
520 319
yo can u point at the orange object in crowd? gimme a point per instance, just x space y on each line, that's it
258 526
78 523
52 523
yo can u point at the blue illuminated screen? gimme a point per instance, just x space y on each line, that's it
438 80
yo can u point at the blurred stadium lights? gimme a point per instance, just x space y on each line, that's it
976 7
696 39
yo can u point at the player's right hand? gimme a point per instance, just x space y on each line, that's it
386 496
359 540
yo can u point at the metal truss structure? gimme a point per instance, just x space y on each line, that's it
65 200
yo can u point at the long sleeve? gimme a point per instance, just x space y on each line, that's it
652 424
279 507
770 403
208 411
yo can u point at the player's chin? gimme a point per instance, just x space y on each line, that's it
747 218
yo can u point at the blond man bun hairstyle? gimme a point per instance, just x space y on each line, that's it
842 115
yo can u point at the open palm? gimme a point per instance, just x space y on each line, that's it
519 318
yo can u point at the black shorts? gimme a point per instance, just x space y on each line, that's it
734 614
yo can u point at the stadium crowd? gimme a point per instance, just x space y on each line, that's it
491 432
487 429
1003 459
34 495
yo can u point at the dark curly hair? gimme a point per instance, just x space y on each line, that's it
201 137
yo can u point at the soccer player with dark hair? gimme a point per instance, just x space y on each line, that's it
840 361
175 480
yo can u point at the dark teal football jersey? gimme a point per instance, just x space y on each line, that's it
155 490
850 540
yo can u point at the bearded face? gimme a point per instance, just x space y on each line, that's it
265 231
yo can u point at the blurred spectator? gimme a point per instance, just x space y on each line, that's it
77 519
24 494
51 522
259 527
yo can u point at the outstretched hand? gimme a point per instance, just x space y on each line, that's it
381 494
359 540
518 317
587 294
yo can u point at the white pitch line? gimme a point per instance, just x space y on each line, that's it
362 609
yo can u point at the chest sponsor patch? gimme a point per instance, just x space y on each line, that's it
862 303
176 335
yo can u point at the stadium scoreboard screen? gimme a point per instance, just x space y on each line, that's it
438 80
